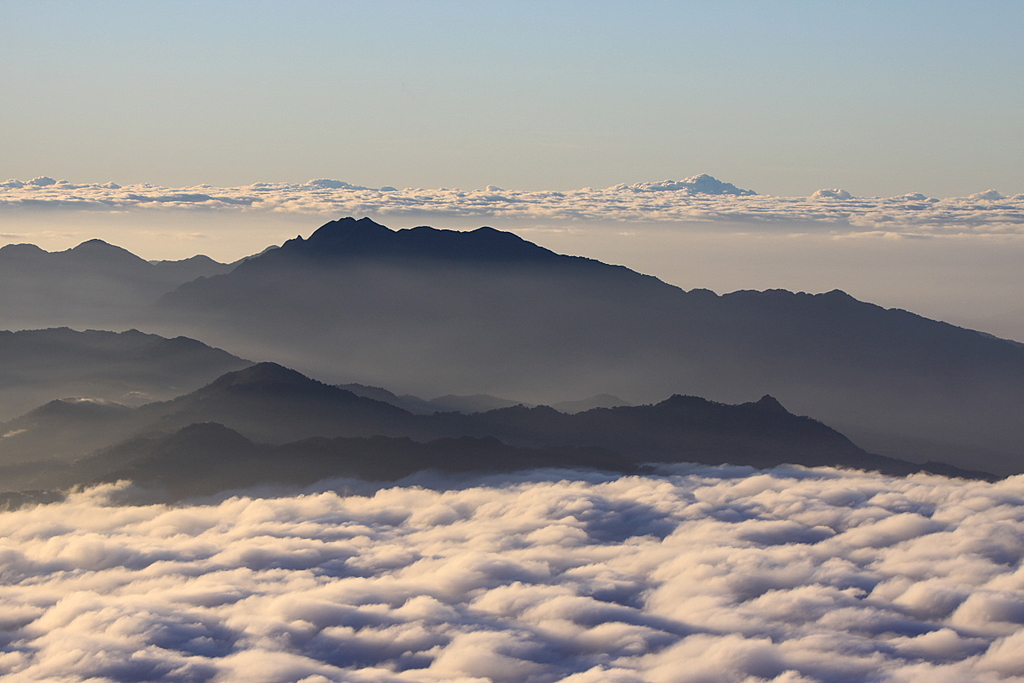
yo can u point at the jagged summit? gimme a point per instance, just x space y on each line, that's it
343 234
362 238
767 404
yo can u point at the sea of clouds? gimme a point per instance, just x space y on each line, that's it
697 574
700 198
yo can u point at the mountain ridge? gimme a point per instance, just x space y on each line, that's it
417 309
129 367
441 312
267 408
90 285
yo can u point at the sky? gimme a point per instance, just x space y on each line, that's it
785 98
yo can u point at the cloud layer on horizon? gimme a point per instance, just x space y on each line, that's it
700 198
700 574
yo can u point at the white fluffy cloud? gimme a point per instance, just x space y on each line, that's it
700 198
704 574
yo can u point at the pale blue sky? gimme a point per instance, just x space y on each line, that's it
781 97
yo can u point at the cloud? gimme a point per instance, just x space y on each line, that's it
836 193
700 198
698 184
696 574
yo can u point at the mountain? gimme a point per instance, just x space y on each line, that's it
599 401
476 403
37 366
463 404
270 403
266 402
309 423
433 311
92 285
207 458
680 429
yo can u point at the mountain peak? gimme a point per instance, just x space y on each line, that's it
94 243
263 374
98 251
363 238
207 435
482 244
346 233
98 246
770 403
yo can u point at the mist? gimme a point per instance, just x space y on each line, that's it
697 574
968 279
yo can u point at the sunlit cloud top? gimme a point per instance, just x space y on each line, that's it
699 198
700 574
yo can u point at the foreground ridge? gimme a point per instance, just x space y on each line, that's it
268 424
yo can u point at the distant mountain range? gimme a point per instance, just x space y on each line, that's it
267 424
92 285
438 311
470 316
37 366
476 403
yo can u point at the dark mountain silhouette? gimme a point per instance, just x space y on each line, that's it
311 423
207 458
485 311
359 239
266 402
92 285
37 366
682 429
270 403
420 308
